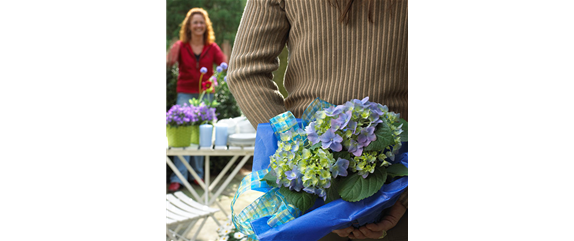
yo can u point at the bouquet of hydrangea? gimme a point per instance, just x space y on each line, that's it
227 232
346 153
340 155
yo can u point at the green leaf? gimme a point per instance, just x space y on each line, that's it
270 178
342 154
397 170
301 200
384 138
333 191
405 135
314 147
355 188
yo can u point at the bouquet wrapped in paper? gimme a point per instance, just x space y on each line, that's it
338 166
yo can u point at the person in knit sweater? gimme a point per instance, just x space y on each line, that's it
338 50
195 50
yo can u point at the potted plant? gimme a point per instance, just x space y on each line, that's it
179 121
183 122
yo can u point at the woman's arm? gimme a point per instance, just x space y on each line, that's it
261 37
173 54
219 55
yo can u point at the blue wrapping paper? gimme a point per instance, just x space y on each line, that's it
322 218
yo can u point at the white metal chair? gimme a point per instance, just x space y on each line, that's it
183 213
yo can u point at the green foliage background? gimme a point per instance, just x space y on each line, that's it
171 85
225 16
227 107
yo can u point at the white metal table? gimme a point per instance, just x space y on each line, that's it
236 152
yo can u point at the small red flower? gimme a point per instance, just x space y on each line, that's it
206 85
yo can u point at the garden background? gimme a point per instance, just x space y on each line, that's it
225 16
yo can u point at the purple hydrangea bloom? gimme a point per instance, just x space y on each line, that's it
340 168
331 140
365 100
318 191
377 109
203 70
224 65
225 78
309 190
375 122
291 174
295 177
333 111
321 193
297 185
358 104
385 108
352 125
312 135
355 148
219 69
341 121
367 135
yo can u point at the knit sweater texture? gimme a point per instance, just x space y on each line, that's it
334 61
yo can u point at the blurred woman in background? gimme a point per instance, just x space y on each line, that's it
195 49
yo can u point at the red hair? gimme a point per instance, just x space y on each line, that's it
185 32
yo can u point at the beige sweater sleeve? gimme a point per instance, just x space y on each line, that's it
261 37
327 59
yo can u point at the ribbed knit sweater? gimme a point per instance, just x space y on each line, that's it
334 61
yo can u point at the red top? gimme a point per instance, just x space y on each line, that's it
187 81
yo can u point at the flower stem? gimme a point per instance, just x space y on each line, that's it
200 77
201 96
